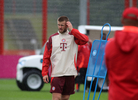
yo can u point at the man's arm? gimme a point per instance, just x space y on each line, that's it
46 60
80 38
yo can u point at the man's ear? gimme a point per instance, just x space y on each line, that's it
66 23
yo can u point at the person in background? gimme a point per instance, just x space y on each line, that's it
121 56
61 50
104 36
82 61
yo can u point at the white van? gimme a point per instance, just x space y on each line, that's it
28 76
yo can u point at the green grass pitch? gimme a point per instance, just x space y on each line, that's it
10 91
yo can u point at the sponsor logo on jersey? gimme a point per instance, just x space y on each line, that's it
63 46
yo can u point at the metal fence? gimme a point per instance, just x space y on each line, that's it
23 19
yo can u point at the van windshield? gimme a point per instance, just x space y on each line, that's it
42 50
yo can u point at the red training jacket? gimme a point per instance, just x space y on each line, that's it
121 56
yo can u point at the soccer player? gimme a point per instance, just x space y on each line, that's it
61 51
82 62
121 56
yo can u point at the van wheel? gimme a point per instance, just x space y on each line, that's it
33 81
20 85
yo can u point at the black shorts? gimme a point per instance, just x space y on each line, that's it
64 85
81 76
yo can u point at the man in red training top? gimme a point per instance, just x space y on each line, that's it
82 61
121 56
61 51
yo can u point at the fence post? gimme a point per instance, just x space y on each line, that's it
1 26
44 21
83 12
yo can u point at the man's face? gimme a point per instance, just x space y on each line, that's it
62 27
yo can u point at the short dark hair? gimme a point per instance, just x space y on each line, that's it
104 36
63 18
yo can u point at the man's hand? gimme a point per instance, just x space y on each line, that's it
68 23
46 79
